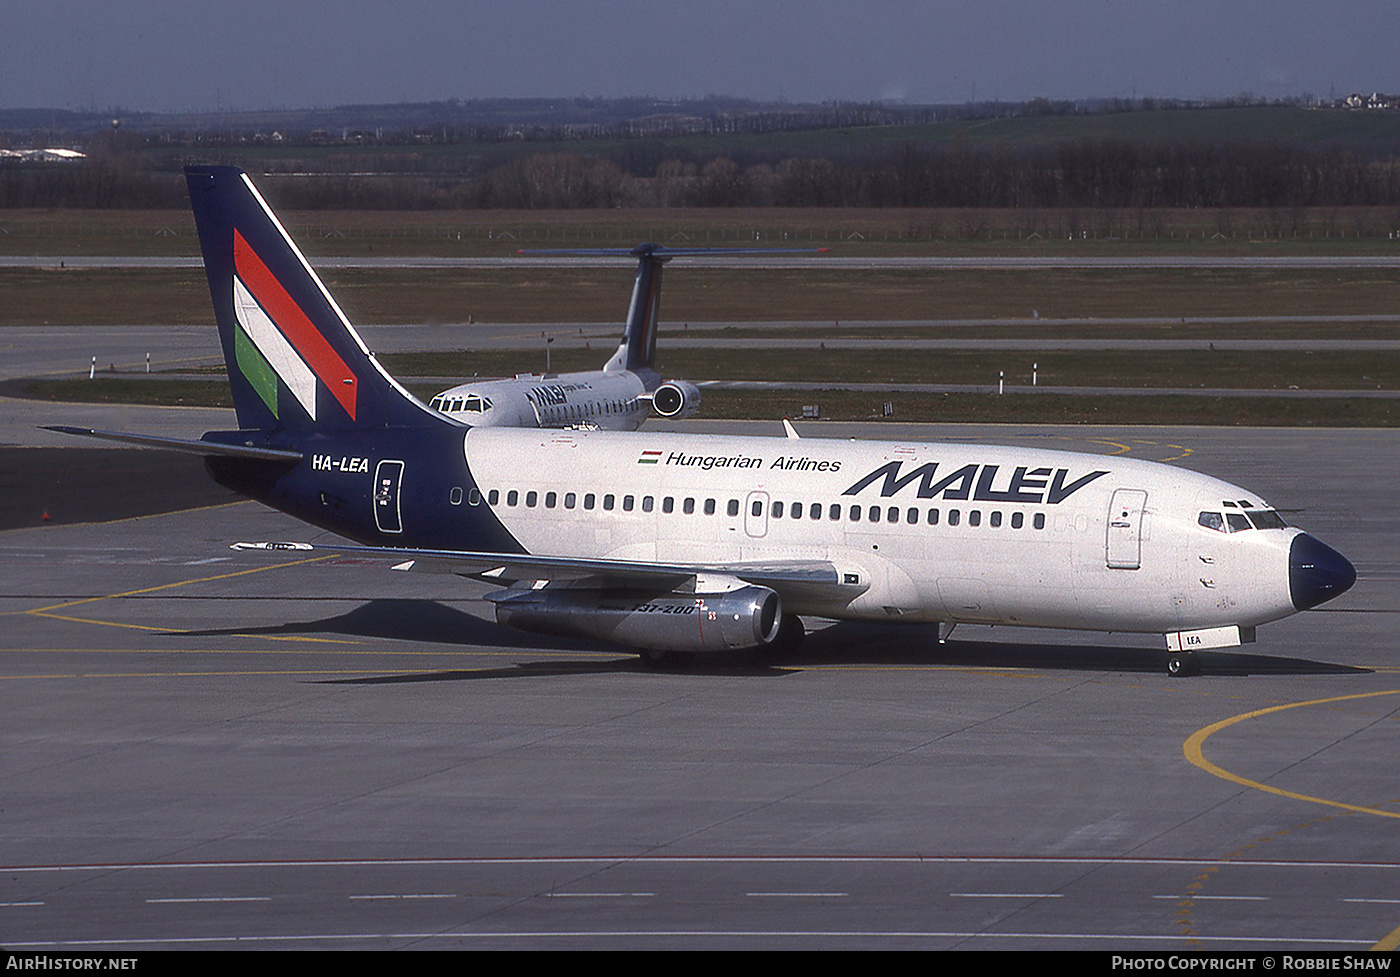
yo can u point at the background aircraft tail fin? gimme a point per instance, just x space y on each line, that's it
637 351
294 361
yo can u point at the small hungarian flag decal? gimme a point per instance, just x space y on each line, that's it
649 458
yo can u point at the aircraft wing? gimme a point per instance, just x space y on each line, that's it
782 576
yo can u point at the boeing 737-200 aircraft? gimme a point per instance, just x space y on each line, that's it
684 544
616 398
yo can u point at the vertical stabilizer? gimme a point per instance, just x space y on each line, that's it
637 351
294 361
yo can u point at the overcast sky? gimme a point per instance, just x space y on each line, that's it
253 54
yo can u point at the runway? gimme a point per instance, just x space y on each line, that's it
203 748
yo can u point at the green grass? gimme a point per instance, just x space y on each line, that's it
847 405
699 294
1261 370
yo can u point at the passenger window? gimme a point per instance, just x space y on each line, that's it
933 517
494 496
954 517
1039 521
834 513
874 513
912 516
1212 520
815 511
995 519
777 510
647 503
668 504
456 496
608 502
797 510
892 515
709 507
627 503
757 509
531 498
551 499
590 500
1018 519
688 506
733 507
569 500
974 518
855 513
512 497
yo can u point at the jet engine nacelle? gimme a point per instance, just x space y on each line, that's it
676 398
744 618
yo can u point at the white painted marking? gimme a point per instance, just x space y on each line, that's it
275 348
599 895
213 899
1007 895
410 895
797 895
16 905
1384 902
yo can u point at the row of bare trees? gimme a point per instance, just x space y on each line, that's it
1071 174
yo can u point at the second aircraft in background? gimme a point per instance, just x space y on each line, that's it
620 396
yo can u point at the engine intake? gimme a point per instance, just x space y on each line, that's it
748 617
676 398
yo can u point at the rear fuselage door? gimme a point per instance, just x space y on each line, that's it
388 477
1123 549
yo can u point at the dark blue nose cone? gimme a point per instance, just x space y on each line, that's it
1316 572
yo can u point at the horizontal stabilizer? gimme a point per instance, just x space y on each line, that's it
206 448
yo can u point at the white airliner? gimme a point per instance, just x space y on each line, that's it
621 395
687 544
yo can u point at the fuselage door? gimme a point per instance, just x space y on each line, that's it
388 476
1124 547
756 514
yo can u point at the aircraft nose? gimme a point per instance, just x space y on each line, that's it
1316 572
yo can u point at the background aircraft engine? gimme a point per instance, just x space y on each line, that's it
745 618
676 398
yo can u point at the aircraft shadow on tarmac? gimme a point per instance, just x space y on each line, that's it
847 643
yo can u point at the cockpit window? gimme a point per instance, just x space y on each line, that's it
1237 522
1266 519
1212 520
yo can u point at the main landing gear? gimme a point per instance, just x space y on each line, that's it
1182 663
